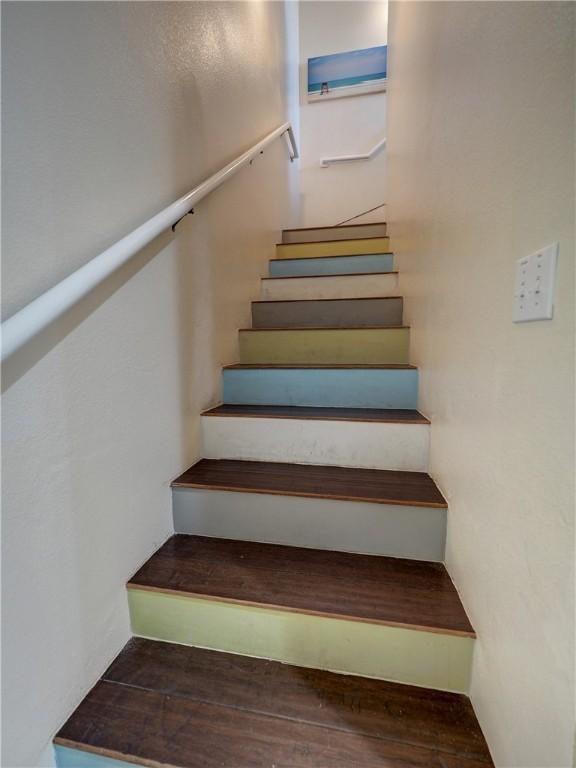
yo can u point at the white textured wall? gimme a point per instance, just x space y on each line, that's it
481 172
112 110
345 126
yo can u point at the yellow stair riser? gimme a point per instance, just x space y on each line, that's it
370 346
334 248
406 655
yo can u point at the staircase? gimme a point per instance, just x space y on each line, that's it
301 616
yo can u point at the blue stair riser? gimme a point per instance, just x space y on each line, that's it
67 757
337 265
329 387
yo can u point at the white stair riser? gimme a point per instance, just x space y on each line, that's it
310 441
417 533
330 287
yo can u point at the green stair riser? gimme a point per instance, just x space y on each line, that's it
411 656
335 248
370 346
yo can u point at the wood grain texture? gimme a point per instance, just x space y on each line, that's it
382 415
347 483
153 729
164 704
373 589
424 717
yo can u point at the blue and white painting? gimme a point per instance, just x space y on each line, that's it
347 74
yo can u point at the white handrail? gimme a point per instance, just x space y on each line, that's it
326 161
33 318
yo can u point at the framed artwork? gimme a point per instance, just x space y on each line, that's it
353 73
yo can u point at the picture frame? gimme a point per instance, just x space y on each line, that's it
351 73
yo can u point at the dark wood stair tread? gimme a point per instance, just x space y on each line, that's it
352 298
325 328
190 707
381 486
368 588
332 366
340 274
343 240
336 226
380 415
338 255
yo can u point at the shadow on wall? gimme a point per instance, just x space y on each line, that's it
31 353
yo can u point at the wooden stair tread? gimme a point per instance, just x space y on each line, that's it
351 298
170 683
380 486
337 256
369 366
326 328
368 588
343 240
380 415
342 274
336 226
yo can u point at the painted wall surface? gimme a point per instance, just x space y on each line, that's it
481 173
111 111
341 126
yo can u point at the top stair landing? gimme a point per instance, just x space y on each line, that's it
324 234
358 246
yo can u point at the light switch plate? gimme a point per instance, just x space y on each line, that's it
534 285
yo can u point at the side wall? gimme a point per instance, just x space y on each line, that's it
346 126
481 173
112 110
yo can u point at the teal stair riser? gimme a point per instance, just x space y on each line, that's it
337 265
329 387
78 758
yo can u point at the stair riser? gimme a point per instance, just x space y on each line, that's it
329 287
416 533
340 265
362 346
338 388
346 313
325 234
427 659
338 443
78 758
335 248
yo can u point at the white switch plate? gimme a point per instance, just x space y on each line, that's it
534 285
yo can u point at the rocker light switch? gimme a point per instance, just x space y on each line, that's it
534 286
